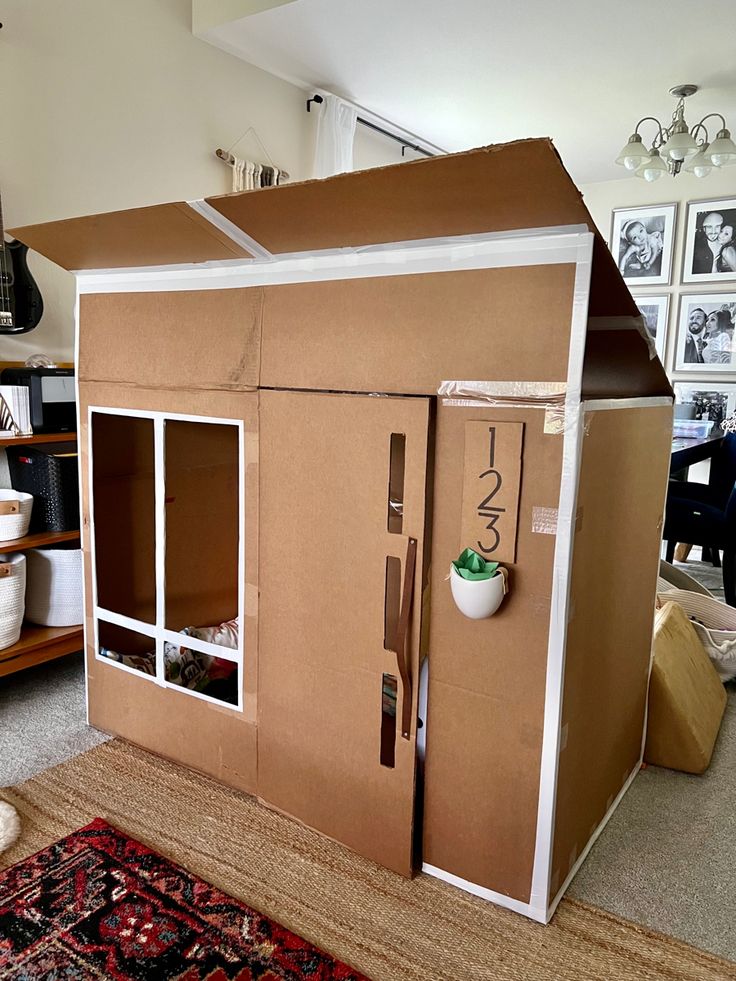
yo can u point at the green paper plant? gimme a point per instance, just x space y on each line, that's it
470 565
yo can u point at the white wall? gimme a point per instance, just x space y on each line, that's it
603 197
111 104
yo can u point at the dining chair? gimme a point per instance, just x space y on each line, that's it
701 518
714 494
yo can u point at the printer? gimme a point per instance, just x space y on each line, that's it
52 397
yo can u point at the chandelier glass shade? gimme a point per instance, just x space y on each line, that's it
678 147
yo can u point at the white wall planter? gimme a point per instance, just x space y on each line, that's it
478 598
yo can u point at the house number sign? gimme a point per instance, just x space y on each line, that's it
491 482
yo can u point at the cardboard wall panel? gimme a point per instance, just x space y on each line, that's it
218 741
406 334
325 541
623 480
160 235
496 188
487 677
204 339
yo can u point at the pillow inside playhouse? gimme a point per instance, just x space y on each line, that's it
213 676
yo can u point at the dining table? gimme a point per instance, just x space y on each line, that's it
687 451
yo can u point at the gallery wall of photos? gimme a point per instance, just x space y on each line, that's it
689 311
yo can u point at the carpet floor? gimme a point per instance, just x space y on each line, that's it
43 719
384 926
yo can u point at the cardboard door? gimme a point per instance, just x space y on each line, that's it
342 504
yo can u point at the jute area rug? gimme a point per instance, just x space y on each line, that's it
384 926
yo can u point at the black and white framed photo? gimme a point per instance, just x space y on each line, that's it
709 255
715 402
705 332
654 310
642 241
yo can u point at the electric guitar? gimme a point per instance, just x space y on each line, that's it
21 304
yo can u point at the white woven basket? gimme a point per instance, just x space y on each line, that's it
12 596
15 514
54 593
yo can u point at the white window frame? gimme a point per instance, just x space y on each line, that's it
158 632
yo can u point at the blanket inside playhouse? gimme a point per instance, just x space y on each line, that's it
205 673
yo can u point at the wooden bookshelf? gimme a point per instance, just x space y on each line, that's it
39 539
39 644
38 438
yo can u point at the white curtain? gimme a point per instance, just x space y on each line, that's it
335 135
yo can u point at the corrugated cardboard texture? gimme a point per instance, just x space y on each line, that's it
623 478
200 339
406 334
324 544
164 234
487 677
496 188
686 697
218 741
617 365
492 473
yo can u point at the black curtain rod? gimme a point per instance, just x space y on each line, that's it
377 129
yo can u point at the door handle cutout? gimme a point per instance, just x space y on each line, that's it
389 688
396 467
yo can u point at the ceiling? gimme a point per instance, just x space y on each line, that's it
467 73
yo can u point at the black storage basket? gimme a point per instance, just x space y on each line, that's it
53 479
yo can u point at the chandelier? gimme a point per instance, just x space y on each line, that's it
678 147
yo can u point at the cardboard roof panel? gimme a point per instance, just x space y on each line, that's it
496 188
165 234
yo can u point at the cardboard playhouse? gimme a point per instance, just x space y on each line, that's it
298 406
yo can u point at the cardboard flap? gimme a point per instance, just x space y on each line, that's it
496 188
165 234
618 365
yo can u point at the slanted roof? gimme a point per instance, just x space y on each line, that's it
512 186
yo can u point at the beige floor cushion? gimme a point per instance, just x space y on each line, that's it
686 696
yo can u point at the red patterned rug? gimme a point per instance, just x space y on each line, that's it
101 905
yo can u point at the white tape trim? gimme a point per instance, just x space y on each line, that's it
653 402
158 631
83 542
229 228
592 840
554 685
493 250
534 913
159 505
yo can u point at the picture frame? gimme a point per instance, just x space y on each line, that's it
709 254
705 330
715 401
642 243
654 308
